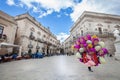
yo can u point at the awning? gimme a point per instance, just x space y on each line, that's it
8 45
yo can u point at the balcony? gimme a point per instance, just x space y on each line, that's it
103 35
43 41
30 45
37 47
32 37
3 38
39 40
49 43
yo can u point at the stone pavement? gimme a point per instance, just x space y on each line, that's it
58 68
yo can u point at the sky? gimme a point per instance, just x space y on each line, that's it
59 15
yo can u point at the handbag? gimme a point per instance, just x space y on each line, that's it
102 60
78 55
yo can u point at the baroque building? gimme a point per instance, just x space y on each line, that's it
32 36
100 24
25 31
8 28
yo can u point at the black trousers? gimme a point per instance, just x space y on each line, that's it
89 68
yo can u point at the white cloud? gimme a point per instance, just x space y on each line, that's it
46 7
85 5
66 13
45 13
59 16
104 6
28 3
10 2
62 36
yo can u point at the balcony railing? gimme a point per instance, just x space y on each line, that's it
37 47
103 35
32 37
39 40
30 45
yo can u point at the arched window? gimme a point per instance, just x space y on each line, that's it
1 31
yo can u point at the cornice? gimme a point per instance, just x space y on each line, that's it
94 15
6 17
30 18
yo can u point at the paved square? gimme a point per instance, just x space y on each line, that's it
58 68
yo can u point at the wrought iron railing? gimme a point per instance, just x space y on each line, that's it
32 37
101 35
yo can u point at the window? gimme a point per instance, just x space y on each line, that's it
100 30
31 33
81 32
4 36
39 33
32 29
1 31
44 36
89 25
31 36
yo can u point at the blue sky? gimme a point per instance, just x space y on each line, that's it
58 15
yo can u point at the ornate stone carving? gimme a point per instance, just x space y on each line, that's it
117 34
117 44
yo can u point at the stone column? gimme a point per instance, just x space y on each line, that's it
117 44
117 53
20 48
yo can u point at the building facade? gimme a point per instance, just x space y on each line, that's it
33 37
25 31
100 24
67 46
8 28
